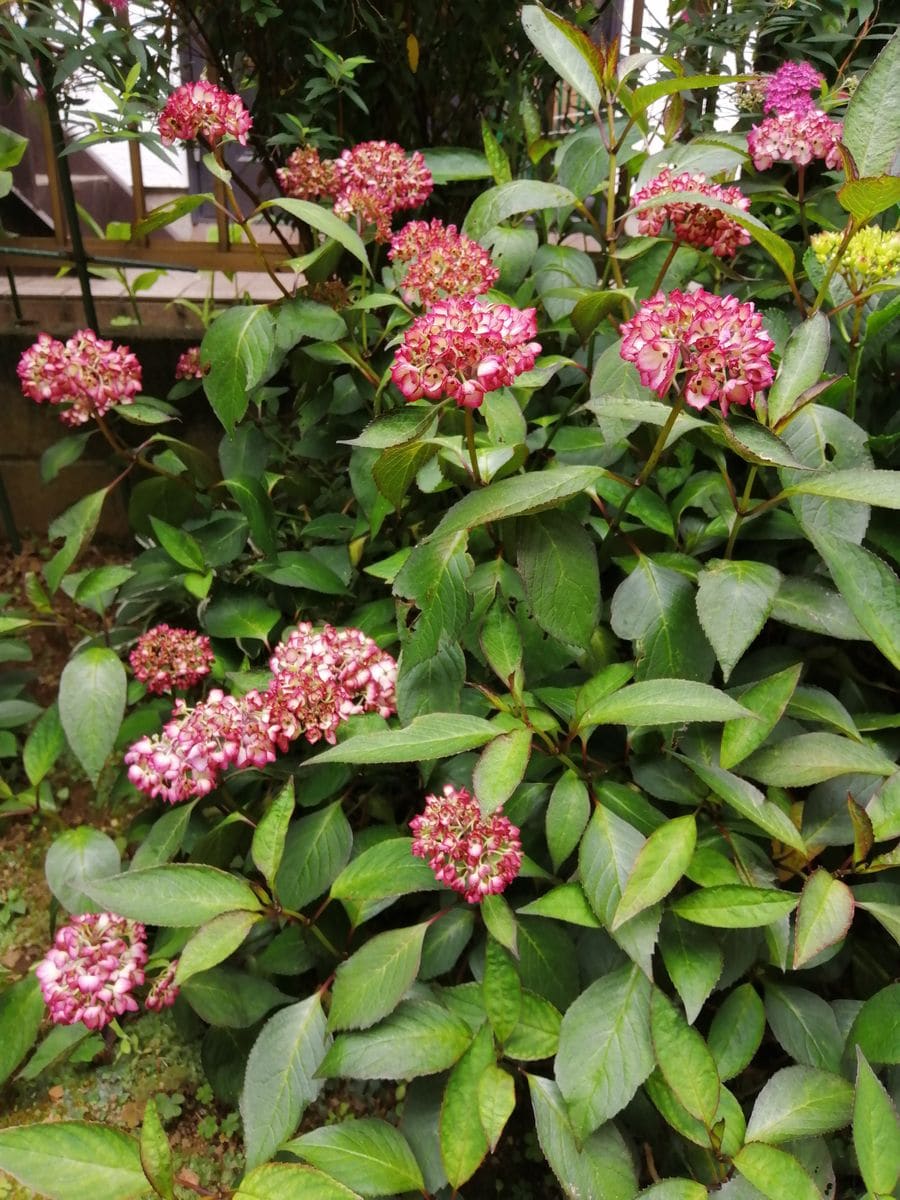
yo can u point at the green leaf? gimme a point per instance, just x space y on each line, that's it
236 350
872 122
866 198
825 440
509 199
870 588
433 735
876 1131
565 903
14 713
800 1102
77 857
749 801
418 1038
804 1025
62 454
777 1174
734 600
448 164
567 49
156 1155
256 505
662 861
733 906
365 1154
674 1189
767 701
655 608
235 614
809 758
372 982
496 1102
568 813
394 428
280 1079
590 310
536 1035
385 870
213 942
164 840
736 1031
686 1063
325 221
300 569
823 916
514 497
664 701
179 545
500 922
445 941
59 1043
269 836
289 1181
869 487
74 1160
642 97
557 560
801 367
501 640
298 319
808 604
43 745
605 1052
315 852
172 210
876 1029
600 1165
91 706
501 990
463 1140
817 705
76 525
501 768
175 894
397 467
693 960
21 1014
233 999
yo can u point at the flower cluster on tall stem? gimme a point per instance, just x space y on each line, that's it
476 856
377 179
463 348
167 658
93 967
87 375
189 365
439 261
319 679
693 224
307 176
203 110
795 130
717 343
788 90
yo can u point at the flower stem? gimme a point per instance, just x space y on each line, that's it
673 250
740 511
649 466
244 223
801 201
470 442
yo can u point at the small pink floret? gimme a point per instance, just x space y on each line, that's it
164 991
307 176
89 973
797 138
189 365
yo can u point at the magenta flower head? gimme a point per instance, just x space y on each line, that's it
474 855
94 965
693 223
717 342
463 348
440 262
788 89
795 138
203 110
164 991
86 374
167 658
375 180
306 176
189 365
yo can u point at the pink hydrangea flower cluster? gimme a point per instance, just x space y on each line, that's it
788 89
166 658
692 223
440 262
306 176
189 365
90 972
463 348
86 374
164 991
203 110
718 341
320 678
796 138
375 180
474 855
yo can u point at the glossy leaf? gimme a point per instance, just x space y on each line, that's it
876 1131
213 942
21 1014
434 735
664 701
658 867
269 836
684 1059
801 366
74 1160
777 1174
800 1102
734 600
365 1154
558 563
736 1031
734 906
823 916
91 706
418 1038
236 350
372 982
177 894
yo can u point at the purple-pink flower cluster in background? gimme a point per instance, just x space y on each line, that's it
474 855
796 131
94 966
463 348
693 223
440 262
718 341
320 678
167 658
86 374
189 365
203 110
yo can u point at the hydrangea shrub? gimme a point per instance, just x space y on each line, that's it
538 631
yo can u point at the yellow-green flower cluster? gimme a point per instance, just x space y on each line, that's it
872 255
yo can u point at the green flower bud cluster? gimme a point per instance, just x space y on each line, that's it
871 256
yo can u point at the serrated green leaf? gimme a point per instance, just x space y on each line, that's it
800 1102
777 1174
809 758
74 1160
418 1038
513 497
500 768
372 982
464 1142
662 702
384 870
824 915
315 852
684 1059
876 1131
736 1031
557 560
21 1014
801 367
734 600
92 692
365 1154
270 834
660 864
433 735
175 894
213 942
734 906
